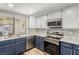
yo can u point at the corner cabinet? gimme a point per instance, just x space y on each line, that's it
41 45
70 17
39 42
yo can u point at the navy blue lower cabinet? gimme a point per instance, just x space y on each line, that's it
39 43
6 50
12 47
6 47
75 49
69 49
65 44
75 52
19 47
66 48
66 51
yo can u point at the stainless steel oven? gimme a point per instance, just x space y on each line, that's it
51 45
51 48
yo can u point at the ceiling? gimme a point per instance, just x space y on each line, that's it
32 8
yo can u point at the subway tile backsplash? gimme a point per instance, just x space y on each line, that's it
71 32
66 32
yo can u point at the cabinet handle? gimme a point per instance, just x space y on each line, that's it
65 45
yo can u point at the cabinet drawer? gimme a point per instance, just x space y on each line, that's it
66 51
41 37
20 39
76 47
37 37
69 45
2 43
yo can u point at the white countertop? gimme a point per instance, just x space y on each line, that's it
70 39
13 37
42 35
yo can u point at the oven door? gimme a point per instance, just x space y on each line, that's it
51 48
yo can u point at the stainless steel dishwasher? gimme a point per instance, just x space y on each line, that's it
29 42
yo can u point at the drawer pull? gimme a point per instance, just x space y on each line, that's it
65 45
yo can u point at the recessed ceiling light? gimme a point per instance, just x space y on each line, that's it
69 11
10 5
31 12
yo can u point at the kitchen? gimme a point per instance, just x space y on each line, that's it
39 28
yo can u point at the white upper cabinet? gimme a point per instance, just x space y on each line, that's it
55 15
44 21
70 17
77 15
38 22
58 14
51 16
41 22
32 22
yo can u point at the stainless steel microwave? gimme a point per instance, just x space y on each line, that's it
52 23
55 23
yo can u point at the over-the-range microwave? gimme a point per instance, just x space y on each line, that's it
55 23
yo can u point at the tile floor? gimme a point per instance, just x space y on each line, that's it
35 51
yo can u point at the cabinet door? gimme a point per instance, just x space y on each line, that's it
65 51
77 16
38 22
19 47
58 14
42 45
37 43
6 50
44 21
51 16
32 22
76 52
70 17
